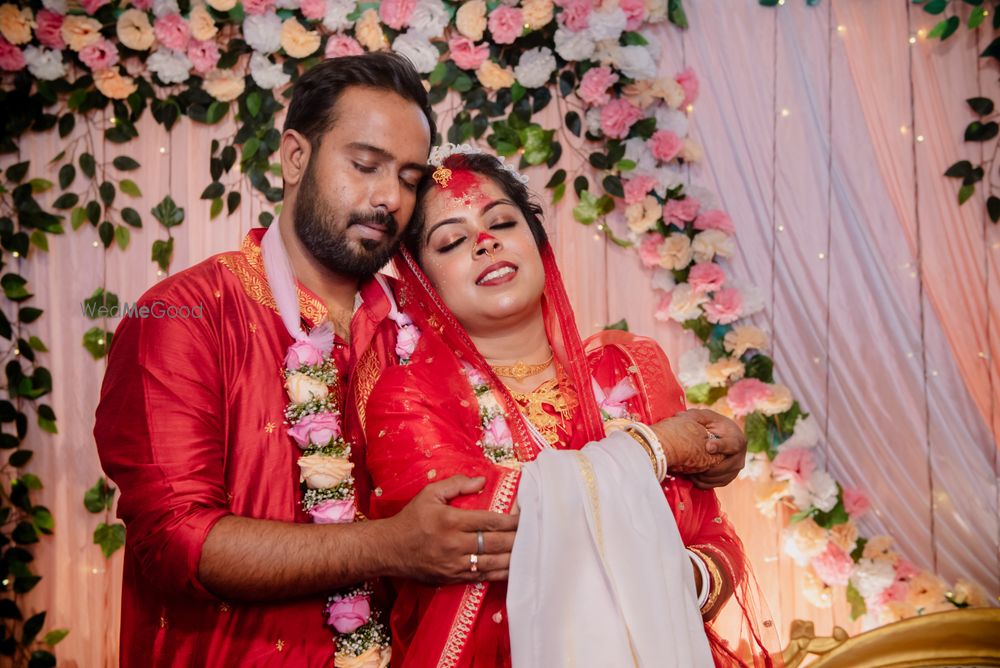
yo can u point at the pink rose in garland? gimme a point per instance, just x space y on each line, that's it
144 5
575 14
726 307
342 45
258 7
466 54
333 512
649 250
679 212
594 85
203 56
635 11
172 32
91 6
856 502
313 9
793 464
689 82
715 220
396 13
316 430
406 341
506 24
665 145
744 395
99 55
48 29
497 432
833 565
637 187
11 58
618 117
302 353
349 614
706 277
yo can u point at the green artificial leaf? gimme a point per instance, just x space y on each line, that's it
215 209
29 314
981 132
36 344
78 217
625 165
982 106
965 192
976 17
621 325
559 176
32 626
66 124
755 428
760 367
31 481
163 252
698 394
97 341
44 521
99 299
55 636
100 497
580 184
859 549
838 515
13 287
131 217
17 172
232 201
517 91
560 191
168 213
675 12
613 185
634 39
106 232
858 606
993 50
125 163
42 659
9 609
253 103
39 186
573 123
960 169
935 6
88 165
24 533
213 191
701 327
216 112
19 458
111 537
107 192
537 144
67 173
66 201
993 208
122 236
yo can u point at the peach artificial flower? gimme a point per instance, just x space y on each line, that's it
80 32
494 77
226 86
642 216
777 401
723 370
537 13
742 338
113 85
16 24
297 41
368 31
676 252
203 26
221 5
470 19
374 657
845 536
323 471
134 30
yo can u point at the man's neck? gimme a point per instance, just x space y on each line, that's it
523 340
335 290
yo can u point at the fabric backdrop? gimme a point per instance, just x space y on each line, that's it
883 295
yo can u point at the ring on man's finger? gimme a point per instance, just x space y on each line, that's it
480 543
474 562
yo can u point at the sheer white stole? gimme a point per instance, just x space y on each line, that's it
599 575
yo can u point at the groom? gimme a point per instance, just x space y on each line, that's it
222 566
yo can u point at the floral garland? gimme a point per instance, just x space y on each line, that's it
328 492
497 441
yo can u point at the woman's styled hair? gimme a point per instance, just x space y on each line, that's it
488 166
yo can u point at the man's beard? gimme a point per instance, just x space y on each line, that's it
316 225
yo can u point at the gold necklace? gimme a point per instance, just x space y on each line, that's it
549 393
519 370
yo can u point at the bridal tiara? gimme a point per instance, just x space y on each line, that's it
441 153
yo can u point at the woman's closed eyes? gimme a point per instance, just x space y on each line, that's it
501 225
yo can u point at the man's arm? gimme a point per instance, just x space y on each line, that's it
249 559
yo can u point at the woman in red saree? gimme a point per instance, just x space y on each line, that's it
470 400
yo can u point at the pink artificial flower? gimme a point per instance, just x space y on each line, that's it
396 13
506 24
172 31
618 117
203 56
726 307
475 376
856 502
575 14
665 145
635 11
313 9
302 353
343 45
833 565
897 591
48 29
715 219
333 512
689 82
466 54
706 277
497 432
662 312
594 85
649 250
258 6
906 570
316 430
637 187
91 6
406 341
11 58
614 401
99 55
144 5
679 212
794 464
745 394
349 614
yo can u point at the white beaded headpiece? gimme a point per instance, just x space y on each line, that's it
441 153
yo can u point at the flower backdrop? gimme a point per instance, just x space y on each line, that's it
490 68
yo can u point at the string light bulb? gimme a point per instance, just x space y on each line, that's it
785 113
841 29
95 244
913 39
920 138
16 254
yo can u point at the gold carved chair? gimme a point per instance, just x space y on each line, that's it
966 637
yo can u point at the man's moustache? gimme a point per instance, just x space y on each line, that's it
376 218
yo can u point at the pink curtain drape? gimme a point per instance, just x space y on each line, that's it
881 292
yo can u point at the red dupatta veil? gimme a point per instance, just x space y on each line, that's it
432 427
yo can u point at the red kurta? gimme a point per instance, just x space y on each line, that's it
190 427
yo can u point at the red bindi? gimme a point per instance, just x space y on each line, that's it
464 187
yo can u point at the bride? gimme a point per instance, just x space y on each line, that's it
615 563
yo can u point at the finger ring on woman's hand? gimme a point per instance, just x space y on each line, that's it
480 543
713 437
474 562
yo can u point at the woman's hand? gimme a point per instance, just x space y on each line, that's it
685 442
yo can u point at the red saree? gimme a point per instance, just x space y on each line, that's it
422 423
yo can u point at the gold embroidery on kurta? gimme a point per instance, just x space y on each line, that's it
253 328
270 427
280 645
367 375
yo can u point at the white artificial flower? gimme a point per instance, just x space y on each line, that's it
418 50
44 64
652 43
429 18
574 46
753 298
337 12
262 32
804 540
671 120
667 177
704 195
593 120
805 435
288 4
711 243
607 23
266 74
638 152
685 303
164 7
756 467
656 11
171 67
872 577
606 52
57 6
663 279
535 67
636 63
819 491
693 367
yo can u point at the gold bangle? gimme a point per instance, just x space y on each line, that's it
629 427
714 578
649 450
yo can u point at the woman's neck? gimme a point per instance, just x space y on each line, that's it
524 340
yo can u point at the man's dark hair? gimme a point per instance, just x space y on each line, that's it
312 111
489 166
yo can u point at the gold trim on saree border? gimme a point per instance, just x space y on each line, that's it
472 598
248 267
